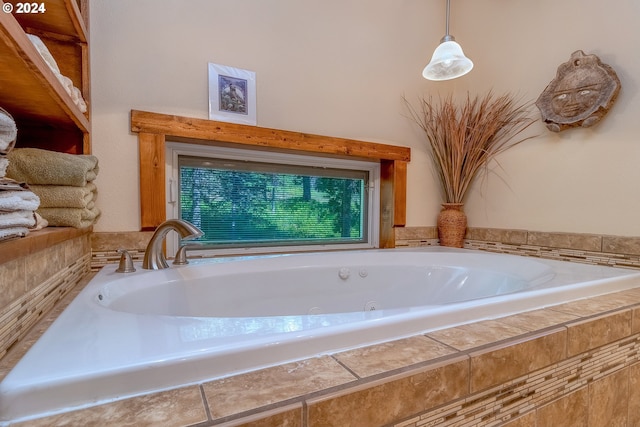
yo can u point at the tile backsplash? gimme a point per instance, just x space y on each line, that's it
618 251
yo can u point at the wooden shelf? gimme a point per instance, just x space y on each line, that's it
62 18
28 87
45 114
38 240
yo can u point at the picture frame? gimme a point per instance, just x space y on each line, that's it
232 94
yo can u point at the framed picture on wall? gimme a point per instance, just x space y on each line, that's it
232 94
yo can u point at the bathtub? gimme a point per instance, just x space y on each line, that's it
128 334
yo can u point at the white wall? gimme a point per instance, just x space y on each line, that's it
341 67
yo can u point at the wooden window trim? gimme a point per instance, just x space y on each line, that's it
154 129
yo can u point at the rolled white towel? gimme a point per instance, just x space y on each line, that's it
18 201
66 83
76 95
73 91
17 219
43 50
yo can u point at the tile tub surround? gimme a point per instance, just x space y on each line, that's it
533 367
104 247
21 310
617 251
36 272
599 249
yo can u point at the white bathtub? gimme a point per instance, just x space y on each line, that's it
128 334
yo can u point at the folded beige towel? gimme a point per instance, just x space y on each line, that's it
65 196
70 217
43 167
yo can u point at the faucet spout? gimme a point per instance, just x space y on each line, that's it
154 258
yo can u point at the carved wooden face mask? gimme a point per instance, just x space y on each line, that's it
582 92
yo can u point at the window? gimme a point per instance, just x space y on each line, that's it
253 201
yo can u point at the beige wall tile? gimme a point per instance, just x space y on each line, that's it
537 319
633 293
587 307
621 245
608 400
568 411
496 365
627 297
288 416
635 323
14 281
591 333
623 298
527 420
77 248
376 359
272 385
585 242
44 264
634 395
105 241
465 337
416 233
398 397
24 274
175 408
513 237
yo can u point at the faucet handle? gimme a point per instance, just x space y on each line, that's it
126 263
181 256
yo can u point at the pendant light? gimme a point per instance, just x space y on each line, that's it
448 60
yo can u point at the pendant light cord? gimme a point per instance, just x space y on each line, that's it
446 27
447 37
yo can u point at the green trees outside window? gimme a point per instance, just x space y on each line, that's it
240 203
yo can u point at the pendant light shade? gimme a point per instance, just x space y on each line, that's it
448 60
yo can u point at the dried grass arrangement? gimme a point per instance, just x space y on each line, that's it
464 139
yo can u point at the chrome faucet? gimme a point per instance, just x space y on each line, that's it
154 258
